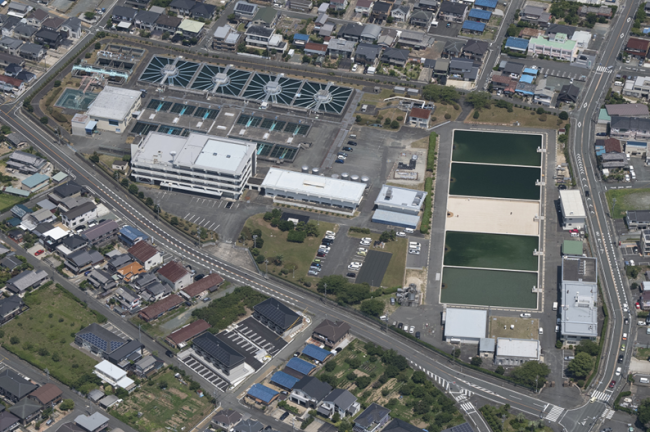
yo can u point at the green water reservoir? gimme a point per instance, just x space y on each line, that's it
497 148
488 288
495 251
494 181
75 99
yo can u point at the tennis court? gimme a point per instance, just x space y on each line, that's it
374 267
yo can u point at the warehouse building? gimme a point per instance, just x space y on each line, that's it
574 215
112 109
308 189
467 326
513 352
579 307
398 206
198 163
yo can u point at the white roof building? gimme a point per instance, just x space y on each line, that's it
207 164
113 375
112 109
309 188
573 210
513 352
581 38
465 325
579 307
398 206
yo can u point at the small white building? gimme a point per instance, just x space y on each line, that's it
513 352
112 109
582 39
399 206
467 326
312 189
574 215
79 215
113 375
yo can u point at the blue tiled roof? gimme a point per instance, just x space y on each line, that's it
530 71
486 3
480 14
301 37
473 26
262 393
131 233
316 353
526 79
518 43
284 380
299 365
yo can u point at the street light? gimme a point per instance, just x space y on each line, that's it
255 241
266 262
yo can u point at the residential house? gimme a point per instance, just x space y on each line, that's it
421 18
339 401
326 30
131 271
464 69
514 70
36 17
321 20
263 37
27 280
340 48
401 13
129 352
441 68
418 117
338 4
167 23
82 214
364 7
350 31
479 15
10 84
143 281
160 307
317 49
15 139
146 365
101 279
53 23
48 395
226 38
489 5
8 421
113 375
13 386
427 5
630 128
72 26
452 12
636 47
25 32
32 220
102 233
300 5
18 10
415 39
10 45
122 13
367 54
276 315
518 45
568 94
9 23
453 48
380 11
309 392
26 410
179 338
531 13
473 27
627 109
175 275
601 11
555 29
387 37
10 307
203 11
129 299
245 11
266 16
202 287
93 423
395 56
146 20
300 39
11 262
146 255
82 260
226 419
371 419
67 244
370 33
130 236
155 291
50 38
220 355
637 219
66 190
248 425
475 49
191 28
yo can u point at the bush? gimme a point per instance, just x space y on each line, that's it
260 259
44 120
330 366
394 124
447 116
564 115
543 117
431 154
14 340
559 344
66 405
57 83
540 111
296 236
476 114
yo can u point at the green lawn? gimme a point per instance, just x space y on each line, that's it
642 353
620 200
175 408
7 201
53 318
275 243
526 118
394 275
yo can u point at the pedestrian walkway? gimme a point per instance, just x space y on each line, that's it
554 413
603 69
468 407
603 396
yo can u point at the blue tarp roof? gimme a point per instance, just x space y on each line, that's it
299 365
301 37
284 380
263 393
473 26
480 14
517 43
132 233
316 353
529 71
526 79
486 3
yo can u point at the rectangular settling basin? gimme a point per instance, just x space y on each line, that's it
497 251
497 148
494 181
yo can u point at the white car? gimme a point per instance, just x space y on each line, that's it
364 243
366 239
412 329
330 237
355 67
356 264
400 234
325 249
525 315
409 230
618 371
331 233
362 250
414 252
341 157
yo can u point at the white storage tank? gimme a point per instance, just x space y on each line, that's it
345 176
315 171
354 178
305 168
365 179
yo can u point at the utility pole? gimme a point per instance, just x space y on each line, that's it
254 242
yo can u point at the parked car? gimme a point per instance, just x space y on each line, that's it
206 299
339 161
414 252
312 273
612 384
624 336
417 335
168 353
618 371
352 143
621 358
38 252
348 149
412 329
400 325
198 277
351 274
400 234
525 315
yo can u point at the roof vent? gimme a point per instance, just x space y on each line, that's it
214 154
228 157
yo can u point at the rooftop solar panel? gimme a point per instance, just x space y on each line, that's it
245 8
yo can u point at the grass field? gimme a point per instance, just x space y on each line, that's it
496 288
525 328
275 243
642 353
174 408
497 251
394 275
526 118
620 200
7 201
54 316
439 114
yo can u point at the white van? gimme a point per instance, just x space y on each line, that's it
409 230
414 245
618 83
554 306
644 380
541 331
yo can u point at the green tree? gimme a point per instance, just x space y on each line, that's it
174 220
363 381
581 365
540 111
98 45
149 201
14 340
419 377
439 93
512 30
330 366
530 374
394 124
232 17
165 36
477 361
589 347
67 405
643 413
564 115
125 182
194 386
500 370
133 189
373 307
336 417
57 83
478 100
44 120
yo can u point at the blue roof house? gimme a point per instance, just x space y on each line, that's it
35 182
530 71
486 4
284 380
317 353
20 210
300 39
262 394
130 235
301 366
479 15
517 44
527 79
473 27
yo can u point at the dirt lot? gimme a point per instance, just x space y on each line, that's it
525 328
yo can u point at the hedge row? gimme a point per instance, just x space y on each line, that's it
428 203
431 155
602 338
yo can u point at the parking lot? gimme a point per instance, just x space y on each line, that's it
421 260
342 253
197 366
259 335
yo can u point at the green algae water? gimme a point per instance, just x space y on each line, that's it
497 148
497 251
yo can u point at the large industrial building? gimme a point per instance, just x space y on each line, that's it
574 215
467 326
112 110
579 308
312 189
198 163
513 352
398 206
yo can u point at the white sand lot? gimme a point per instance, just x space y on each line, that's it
495 216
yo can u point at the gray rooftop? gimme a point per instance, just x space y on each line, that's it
91 423
579 297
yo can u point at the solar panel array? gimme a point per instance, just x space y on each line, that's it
244 7
100 343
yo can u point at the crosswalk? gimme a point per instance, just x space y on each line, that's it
603 69
468 407
608 414
554 413
460 394
603 396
